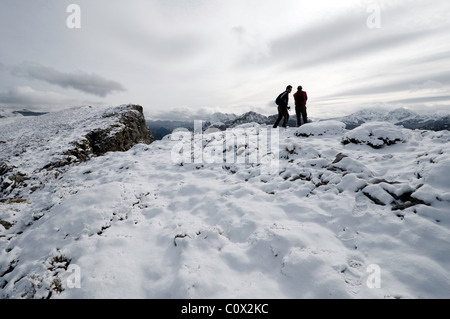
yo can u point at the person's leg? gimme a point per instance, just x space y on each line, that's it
304 114
297 112
286 118
280 115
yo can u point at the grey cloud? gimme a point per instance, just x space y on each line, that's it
81 81
238 31
160 46
309 44
435 57
28 98
185 114
407 83
425 99
25 97
343 37
365 47
174 49
337 42
320 35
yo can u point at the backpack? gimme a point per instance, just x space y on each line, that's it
278 99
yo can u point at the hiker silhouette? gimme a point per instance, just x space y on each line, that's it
301 97
283 109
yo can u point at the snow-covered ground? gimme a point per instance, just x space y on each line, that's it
343 214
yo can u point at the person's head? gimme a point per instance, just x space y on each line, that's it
300 88
289 88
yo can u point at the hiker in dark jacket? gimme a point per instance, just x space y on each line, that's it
283 101
300 105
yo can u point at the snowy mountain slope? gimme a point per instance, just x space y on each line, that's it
400 116
221 117
369 115
6 114
328 213
249 117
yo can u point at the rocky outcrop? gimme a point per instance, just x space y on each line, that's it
134 131
131 129
56 140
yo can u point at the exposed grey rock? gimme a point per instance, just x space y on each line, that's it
339 158
131 129
126 128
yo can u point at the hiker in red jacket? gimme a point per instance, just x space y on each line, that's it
300 105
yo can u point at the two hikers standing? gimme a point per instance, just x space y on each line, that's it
300 106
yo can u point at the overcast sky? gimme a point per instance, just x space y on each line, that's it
187 58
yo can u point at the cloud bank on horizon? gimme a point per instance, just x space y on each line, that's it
198 57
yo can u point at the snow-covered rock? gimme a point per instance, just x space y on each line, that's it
249 117
30 146
217 126
374 134
321 128
221 117
438 174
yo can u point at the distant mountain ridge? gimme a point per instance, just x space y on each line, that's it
401 117
6 113
221 121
